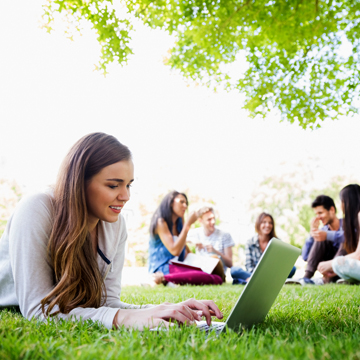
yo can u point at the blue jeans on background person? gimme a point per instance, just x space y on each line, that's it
239 275
292 272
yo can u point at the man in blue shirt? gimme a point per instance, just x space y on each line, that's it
323 244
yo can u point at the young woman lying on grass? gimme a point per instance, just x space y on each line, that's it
348 266
62 252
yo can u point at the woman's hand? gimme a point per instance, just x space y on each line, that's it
192 218
175 247
185 313
325 267
205 308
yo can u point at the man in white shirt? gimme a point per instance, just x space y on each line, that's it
211 240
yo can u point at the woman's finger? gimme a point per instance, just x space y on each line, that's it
212 313
178 314
212 310
205 306
200 313
186 311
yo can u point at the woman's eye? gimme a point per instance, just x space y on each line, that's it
129 186
113 186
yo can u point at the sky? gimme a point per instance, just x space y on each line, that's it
182 136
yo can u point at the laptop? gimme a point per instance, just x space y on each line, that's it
261 290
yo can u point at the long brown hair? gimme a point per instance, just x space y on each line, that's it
350 199
260 218
78 281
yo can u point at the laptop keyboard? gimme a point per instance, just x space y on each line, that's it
215 326
202 325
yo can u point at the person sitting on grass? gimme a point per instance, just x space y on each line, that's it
210 240
168 232
347 267
62 252
255 247
323 244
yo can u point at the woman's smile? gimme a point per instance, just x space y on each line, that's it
116 209
108 191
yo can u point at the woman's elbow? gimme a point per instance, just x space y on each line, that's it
175 252
33 313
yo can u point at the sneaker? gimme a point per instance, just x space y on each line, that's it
171 284
302 281
306 281
154 279
290 281
239 282
348 282
318 281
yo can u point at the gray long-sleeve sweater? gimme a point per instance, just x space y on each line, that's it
26 273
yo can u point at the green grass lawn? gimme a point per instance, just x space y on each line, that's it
304 323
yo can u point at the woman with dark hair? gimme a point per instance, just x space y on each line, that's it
348 266
168 232
62 251
254 248
350 202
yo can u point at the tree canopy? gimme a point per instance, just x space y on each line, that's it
302 56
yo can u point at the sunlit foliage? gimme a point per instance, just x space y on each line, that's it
302 57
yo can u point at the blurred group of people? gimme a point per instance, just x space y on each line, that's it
331 248
334 248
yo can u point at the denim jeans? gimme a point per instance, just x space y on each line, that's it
292 272
237 273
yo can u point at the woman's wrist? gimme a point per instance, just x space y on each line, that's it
121 318
187 225
115 320
186 229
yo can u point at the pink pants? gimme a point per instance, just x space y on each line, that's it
181 275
